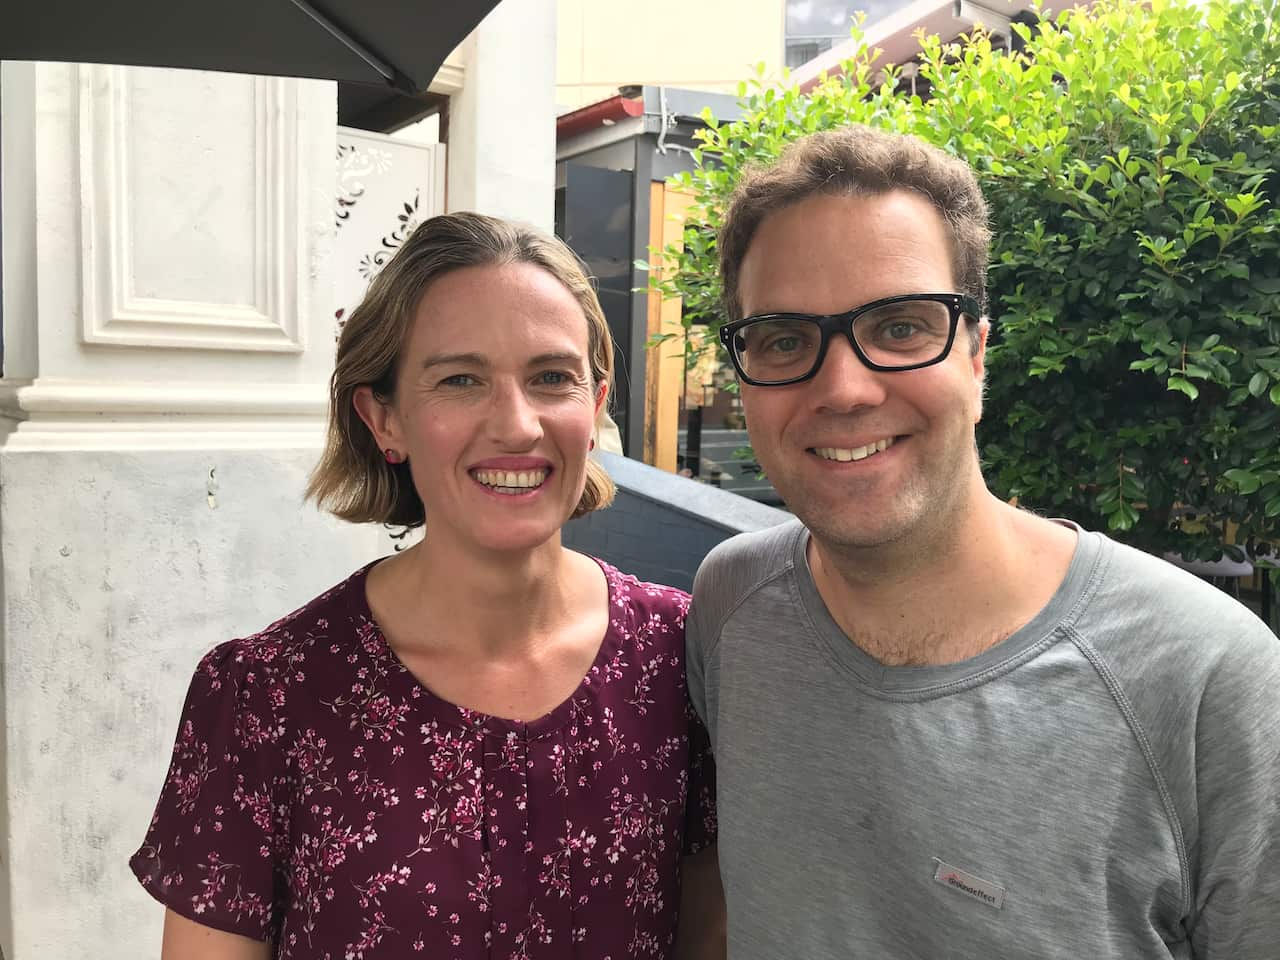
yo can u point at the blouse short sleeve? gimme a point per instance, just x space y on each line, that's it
700 829
210 853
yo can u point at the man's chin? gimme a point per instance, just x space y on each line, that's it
842 526
850 539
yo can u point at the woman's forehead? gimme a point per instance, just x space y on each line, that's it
506 283
496 310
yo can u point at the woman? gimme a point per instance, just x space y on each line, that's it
479 747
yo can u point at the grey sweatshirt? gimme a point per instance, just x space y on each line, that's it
1103 784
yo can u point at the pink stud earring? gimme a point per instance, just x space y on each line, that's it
392 456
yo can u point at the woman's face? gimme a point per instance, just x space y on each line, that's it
495 406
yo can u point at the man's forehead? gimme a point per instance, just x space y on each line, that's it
828 254
864 209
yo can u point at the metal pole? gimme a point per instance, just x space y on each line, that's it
693 441
392 75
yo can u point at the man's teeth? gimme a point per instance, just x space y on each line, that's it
511 479
844 455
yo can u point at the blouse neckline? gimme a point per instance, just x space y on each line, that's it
445 711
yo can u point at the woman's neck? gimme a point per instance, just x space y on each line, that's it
492 602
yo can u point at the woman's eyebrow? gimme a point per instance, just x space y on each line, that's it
469 359
563 357
479 360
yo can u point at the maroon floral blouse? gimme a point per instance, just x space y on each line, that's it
320 796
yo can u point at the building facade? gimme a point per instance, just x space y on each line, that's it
167 242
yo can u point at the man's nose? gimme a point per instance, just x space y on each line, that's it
844 382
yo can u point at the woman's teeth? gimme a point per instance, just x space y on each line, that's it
510 481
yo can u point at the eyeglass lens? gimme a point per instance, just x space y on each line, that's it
893 335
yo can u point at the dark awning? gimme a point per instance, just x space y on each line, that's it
396 44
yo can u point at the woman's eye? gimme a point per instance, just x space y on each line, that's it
554 378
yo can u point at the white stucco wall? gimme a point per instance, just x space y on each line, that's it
502 135
168 304
120 569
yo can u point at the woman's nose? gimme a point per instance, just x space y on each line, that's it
514 420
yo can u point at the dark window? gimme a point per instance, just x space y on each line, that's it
802 51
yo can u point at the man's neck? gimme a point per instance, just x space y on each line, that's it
948 596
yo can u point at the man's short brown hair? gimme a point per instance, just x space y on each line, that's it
860 161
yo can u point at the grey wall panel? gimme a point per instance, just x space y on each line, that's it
661 525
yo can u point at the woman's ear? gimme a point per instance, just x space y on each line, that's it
380 417
602 394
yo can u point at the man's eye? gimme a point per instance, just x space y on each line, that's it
784 344
458 380
900 329
554 378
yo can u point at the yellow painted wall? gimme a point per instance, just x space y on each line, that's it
698 44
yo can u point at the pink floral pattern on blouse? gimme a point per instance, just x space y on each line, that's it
320 796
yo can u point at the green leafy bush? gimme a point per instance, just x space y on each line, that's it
1130 157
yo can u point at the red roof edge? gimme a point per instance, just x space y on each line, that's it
598 114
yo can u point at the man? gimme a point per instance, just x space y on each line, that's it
943 726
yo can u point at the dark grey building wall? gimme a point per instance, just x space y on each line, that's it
661 525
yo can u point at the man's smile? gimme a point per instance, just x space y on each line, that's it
847 454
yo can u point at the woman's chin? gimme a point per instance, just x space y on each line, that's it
518 537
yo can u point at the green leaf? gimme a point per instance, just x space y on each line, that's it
1190 389
1245 481
1123 519
1107 496
1258 383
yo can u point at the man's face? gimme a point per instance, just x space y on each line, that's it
827 255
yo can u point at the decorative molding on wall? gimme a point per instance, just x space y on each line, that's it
105 415
448 79
386 188
114 312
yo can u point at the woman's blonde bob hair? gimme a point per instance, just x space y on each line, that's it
353 479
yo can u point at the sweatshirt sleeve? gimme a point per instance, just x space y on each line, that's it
702 635
1235 912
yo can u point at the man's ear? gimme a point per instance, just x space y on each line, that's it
380 417
979 363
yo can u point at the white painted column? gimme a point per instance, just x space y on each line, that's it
168 326
502 136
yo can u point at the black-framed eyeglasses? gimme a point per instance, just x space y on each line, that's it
893 334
